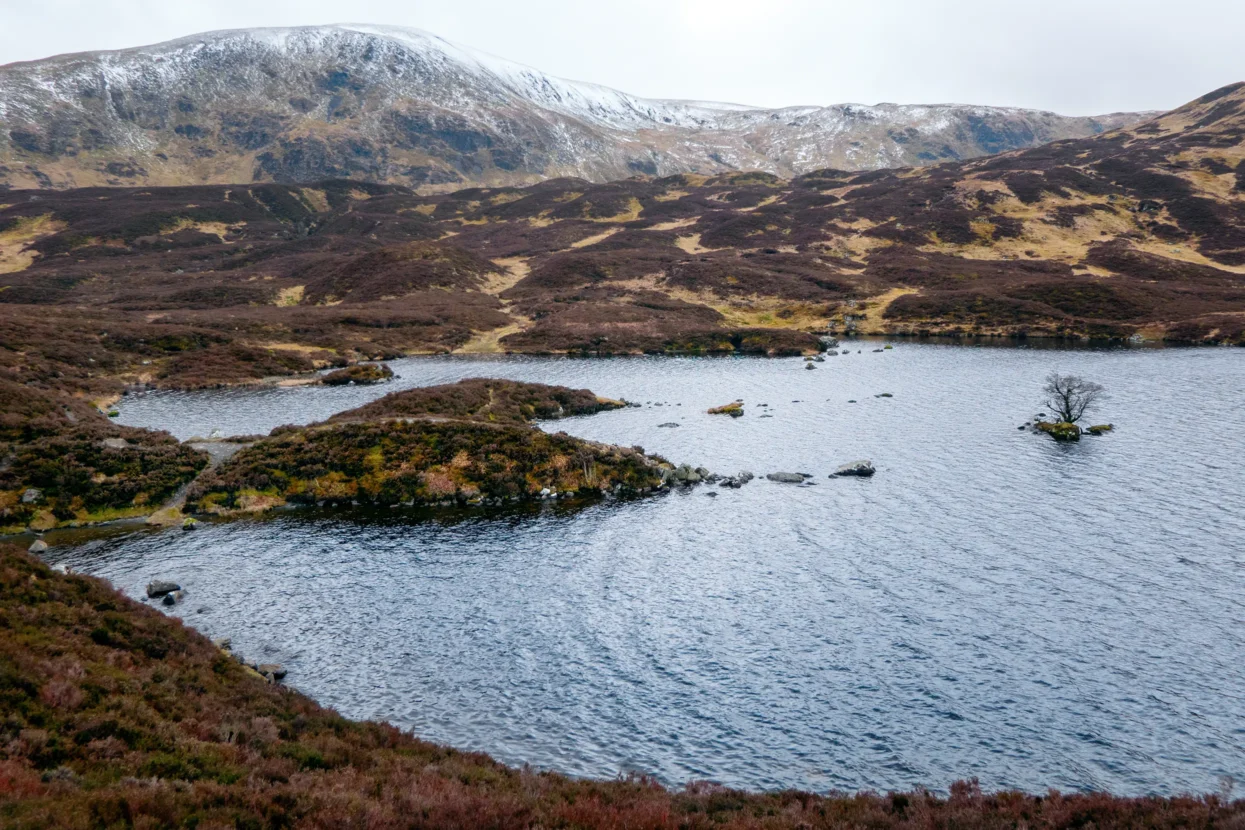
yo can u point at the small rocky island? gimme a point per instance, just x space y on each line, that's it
471 442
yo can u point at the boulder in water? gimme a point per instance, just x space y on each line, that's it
273 671
159 588
38 546
786 478
862 468
1100 429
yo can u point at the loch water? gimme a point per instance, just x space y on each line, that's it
989 604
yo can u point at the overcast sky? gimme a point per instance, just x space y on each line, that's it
1077 57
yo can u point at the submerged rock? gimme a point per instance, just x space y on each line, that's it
1100 429
670 425
862 468
787 478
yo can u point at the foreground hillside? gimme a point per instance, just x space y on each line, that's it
1136 233
113 715
385 104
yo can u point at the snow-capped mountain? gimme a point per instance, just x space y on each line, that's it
404 106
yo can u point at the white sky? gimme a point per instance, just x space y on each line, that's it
1073 56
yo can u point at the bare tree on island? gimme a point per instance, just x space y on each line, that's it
1069 396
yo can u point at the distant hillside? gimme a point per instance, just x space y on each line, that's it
402 106
1137 233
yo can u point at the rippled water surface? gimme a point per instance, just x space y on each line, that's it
989 604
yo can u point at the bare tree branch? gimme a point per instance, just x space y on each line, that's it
1070 397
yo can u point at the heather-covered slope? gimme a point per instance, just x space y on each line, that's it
384 104
113 715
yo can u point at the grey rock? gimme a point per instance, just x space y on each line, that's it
670 425
31 496
809 366
744 476
862 468
786 478
38 546
159 588
273 670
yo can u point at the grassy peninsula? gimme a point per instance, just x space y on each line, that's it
470 442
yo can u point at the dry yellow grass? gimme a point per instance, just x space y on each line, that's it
691 244
290 296
595 238
317 199
217 229
768 200
875 307
632 213
513 270
489 342
14 243
674 225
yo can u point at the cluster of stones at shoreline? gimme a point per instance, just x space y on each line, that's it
171 593
687 476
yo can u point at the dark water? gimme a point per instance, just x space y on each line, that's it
989 604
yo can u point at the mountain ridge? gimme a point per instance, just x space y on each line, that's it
404 106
